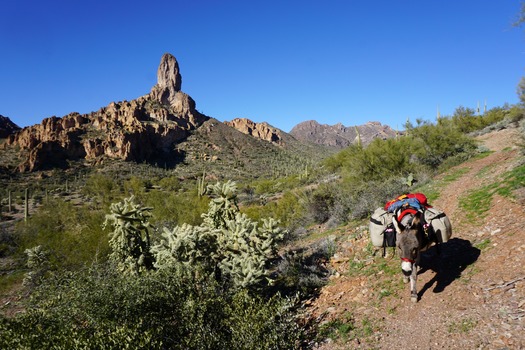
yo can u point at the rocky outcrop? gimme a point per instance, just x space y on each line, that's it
7 127
340 136
262 131
169 81
139 130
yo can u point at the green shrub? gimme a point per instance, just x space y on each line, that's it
289 209
176 208
101 188
61 228
98 308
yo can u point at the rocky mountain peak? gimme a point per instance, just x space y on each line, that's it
262 131
169 80
138 130
339 136
7 127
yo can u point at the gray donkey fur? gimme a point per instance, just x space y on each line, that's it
411 241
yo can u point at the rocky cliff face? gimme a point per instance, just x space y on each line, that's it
138 130
340 136
262 131
7 127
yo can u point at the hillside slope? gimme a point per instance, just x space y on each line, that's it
471 297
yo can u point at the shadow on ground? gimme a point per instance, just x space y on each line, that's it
454 257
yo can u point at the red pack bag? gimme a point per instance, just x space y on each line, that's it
421 198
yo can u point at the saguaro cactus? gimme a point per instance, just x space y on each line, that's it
26 205
201 188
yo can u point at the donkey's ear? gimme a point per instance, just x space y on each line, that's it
396 224
417 218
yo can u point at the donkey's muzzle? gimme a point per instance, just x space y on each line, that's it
406 273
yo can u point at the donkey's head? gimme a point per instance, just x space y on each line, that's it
408 244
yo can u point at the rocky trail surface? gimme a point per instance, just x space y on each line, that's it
472 296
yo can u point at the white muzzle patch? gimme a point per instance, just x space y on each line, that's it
406 266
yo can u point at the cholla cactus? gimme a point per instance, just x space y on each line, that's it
227 242
245 249
38 263
223 205
187 244
130 240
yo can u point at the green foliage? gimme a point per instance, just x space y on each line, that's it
61 228
176 208
101 188
99 308
436 143
137 187
462 326
130 238
483 245
290 208
280 184
38 263
345 328
382 159
223 206
227 243
338 329
477 203
169 183
521 90
373 174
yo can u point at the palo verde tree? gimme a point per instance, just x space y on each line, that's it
519 22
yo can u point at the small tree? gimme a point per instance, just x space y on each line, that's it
521 90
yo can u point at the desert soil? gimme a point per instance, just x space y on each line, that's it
470 298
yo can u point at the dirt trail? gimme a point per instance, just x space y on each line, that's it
470 298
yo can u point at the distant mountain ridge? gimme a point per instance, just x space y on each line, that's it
144 129
340 136
263 131
7 127
154 128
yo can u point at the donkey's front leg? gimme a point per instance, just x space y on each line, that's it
413 280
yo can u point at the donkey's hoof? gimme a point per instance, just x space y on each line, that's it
406 279
413 299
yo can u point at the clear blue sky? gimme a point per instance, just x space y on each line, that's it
283 62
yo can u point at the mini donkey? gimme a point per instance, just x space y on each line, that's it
411 241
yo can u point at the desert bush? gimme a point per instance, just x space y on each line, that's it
101 188
304 270
176 208
437 142
99 308
289 209
320 203
62 228
8 242
137 187
170 183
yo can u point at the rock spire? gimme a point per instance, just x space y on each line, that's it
169 80
144 129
